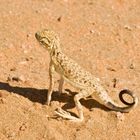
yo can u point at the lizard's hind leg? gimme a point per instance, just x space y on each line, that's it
83 94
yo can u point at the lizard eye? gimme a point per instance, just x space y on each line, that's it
41 41
45 42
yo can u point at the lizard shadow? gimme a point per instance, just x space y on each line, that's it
33 94
40 96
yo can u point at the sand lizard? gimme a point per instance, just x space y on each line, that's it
74 74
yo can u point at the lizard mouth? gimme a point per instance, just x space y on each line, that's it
37 36
39 39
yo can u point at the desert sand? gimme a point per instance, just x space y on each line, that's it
102 36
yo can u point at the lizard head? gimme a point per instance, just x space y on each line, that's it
48 39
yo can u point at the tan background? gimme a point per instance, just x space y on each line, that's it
102 36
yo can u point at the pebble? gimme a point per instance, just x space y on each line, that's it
59 19
81 49
23 46
11 135
13 69
25 51
120 116
111 69
28 35
92 31
131 66
134 133
23 127
127 27
16 78
37 11
2 100
114 82
22 78
8 79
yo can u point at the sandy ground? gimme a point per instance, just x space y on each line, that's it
102 36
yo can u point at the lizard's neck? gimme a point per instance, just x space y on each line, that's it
55 52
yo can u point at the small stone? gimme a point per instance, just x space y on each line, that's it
127 27
47 116
37 11
98 79
28 35
15 79
25 51
81 49
120 116
111 69
8 79
91 109
134 133
2 100
27 59
13 69
92 31
131 66
23 127
59 19
22 78
137 26
11 135
78 129
114 82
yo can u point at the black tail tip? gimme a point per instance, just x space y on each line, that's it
128 92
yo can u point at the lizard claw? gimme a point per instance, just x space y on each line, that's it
60 112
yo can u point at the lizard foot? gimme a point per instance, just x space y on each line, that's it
60 112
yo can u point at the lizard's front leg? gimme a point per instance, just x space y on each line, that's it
51 84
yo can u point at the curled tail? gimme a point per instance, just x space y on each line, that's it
113 106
